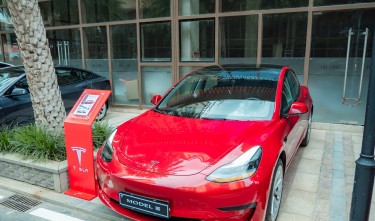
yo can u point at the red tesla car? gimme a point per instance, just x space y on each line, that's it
215 147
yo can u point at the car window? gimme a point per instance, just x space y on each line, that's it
287 96
294 84
69 76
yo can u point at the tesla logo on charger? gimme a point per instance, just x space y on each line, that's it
79 151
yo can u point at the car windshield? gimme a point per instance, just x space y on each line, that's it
244 94
7 78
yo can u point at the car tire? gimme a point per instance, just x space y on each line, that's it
306 139
274 198
102 112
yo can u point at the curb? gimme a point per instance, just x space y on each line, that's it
45 195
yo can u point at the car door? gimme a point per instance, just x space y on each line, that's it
16 109
294 129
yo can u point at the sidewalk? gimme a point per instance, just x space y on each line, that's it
317 187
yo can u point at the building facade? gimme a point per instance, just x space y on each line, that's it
145 46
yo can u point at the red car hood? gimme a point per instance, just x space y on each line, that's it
181 146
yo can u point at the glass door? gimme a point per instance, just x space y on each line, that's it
354 66
340 65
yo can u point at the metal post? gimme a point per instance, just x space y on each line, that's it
364 171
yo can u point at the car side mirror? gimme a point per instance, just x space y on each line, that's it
18 91
298 108
156 99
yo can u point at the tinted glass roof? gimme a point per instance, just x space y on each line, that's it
264 72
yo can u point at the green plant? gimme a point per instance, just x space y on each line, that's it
100 131
38 143
5 137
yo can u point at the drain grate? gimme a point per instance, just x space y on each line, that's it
20 203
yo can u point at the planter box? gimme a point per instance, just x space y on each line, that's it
51 175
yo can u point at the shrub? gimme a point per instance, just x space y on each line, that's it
100 131
5 137
38 143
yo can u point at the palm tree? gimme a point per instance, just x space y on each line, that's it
36 56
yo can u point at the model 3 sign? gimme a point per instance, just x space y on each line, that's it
145 205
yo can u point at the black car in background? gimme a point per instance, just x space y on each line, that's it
15 102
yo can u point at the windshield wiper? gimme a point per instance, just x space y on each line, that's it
213 118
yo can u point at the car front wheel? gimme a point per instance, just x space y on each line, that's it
102 112
274 199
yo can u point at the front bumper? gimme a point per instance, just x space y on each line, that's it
190 197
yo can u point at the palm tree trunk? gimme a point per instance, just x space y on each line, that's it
36 56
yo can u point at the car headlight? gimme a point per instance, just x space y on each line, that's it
242 167
107 151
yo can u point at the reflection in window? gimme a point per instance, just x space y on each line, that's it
65 47
284 35
339 2
197 40
6 21
108 10
154 8
245 5
10 49
239 39
57 13
195 7
155 80
125 64
156 41
284 40
96 50
330 33
185 70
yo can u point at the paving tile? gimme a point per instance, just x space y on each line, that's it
301 203
319 216
290 216
357 138
313 154
318 134
309 166
305 181
319 144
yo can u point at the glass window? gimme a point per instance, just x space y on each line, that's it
156 41
108 10
195 7
125 64
10 49
284 40
65 47
239 39
154 8
155 80
96 49
197 40
185 70
5 21
57 13
339 2
334 78
245 5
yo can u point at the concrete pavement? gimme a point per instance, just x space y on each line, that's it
317 186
